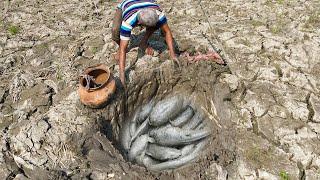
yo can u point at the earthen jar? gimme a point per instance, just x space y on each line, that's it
97 97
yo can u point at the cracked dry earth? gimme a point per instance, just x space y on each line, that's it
264 106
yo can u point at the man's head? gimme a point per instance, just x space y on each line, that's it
148 17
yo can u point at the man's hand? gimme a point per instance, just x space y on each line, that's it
146 48
149 51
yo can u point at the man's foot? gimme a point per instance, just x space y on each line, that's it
149 51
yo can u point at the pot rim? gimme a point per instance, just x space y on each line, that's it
92 68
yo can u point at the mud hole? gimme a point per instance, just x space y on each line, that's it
73 141
155 81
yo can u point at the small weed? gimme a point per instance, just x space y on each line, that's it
269 3
59 74
44 46
2 28
256 23
279 70
280 1
94 50
276 29
279 25
273 2
284 175
13 30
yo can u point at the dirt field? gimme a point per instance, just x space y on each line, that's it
264 106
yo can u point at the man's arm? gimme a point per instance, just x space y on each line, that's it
122 60
169 40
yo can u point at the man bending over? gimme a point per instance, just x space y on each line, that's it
131 13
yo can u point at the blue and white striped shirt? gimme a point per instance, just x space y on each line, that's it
130 9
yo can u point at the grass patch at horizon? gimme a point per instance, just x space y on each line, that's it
13 30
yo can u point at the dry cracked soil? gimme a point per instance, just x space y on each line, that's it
264 106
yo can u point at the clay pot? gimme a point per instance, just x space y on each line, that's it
99 90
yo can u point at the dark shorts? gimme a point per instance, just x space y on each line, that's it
116 25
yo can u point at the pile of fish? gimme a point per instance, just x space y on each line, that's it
164 135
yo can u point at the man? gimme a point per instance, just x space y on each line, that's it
131 13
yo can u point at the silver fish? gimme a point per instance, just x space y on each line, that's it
183 117
146 160
187 149
173 164
134 122
145 111
201 126
165 110
194 121
173 136
125 136
133 128
143 128
139 146
162 153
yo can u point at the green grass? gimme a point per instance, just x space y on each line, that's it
59 75
279 25
284 175
276 29
257 23
280 1
13 30
94 50
274 2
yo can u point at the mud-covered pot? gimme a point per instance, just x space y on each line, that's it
96 97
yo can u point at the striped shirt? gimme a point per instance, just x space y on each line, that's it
130 9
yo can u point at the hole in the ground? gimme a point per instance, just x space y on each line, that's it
167 134
160 131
